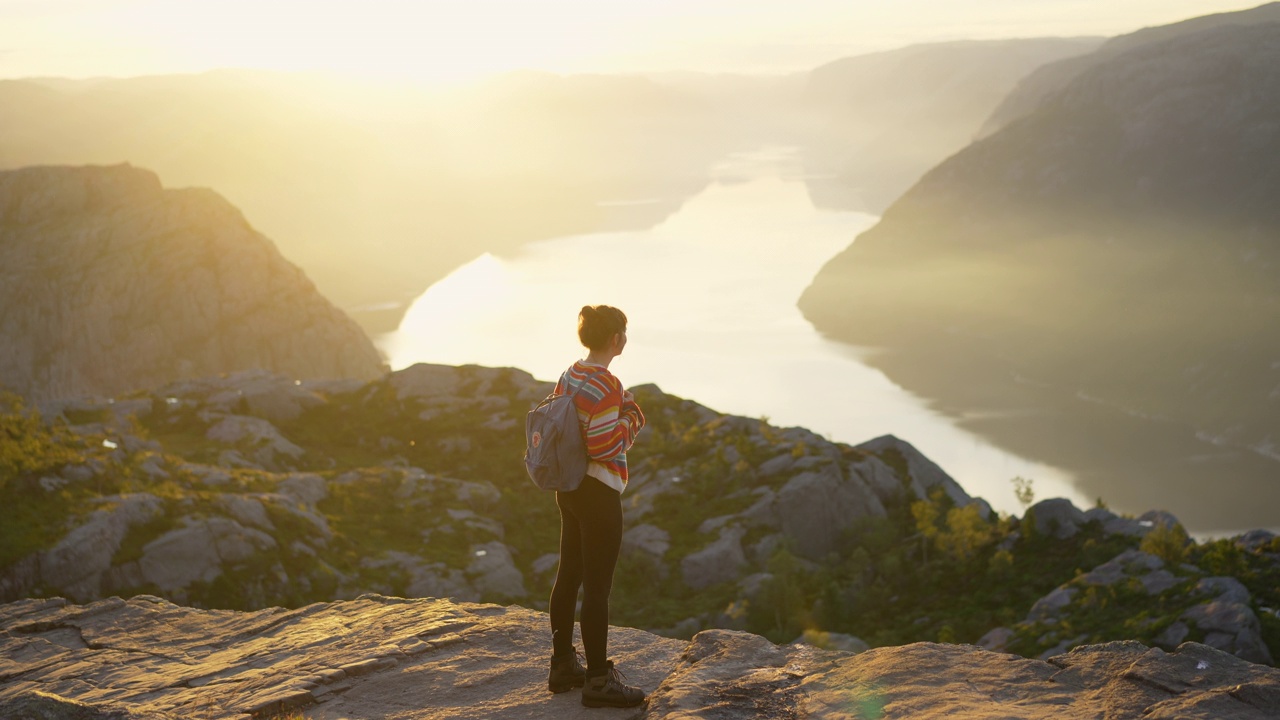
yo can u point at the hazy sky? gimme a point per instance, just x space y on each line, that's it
460 39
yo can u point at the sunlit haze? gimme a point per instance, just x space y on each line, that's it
434 41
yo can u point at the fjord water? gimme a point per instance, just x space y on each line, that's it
710 295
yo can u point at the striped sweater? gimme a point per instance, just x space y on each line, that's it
609 423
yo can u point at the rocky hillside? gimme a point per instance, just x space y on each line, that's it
1053 77
254 490
379 657
110 283
1118 245
883 119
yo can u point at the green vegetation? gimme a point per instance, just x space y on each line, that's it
35 517
1167 542
1256 569
931 571
412 485
27 446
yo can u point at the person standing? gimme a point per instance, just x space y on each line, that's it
591 515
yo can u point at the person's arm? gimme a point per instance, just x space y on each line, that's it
613 422
631 411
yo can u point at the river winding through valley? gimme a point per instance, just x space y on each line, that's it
710 295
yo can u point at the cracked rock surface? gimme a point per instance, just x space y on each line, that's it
381 657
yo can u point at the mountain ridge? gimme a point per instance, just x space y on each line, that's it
111 282
1045 81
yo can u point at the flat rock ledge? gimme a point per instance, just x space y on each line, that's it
381 657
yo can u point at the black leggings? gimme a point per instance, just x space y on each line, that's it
590 537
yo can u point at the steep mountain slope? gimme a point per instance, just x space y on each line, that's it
883 119
1053 77
1119 244
110 283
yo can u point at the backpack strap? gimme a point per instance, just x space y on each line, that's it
582 384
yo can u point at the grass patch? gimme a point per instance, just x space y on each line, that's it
34 519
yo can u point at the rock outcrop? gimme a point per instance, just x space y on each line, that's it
262 498
409 486
377 657
110 283
1216 611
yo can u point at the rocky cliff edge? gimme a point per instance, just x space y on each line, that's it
382 657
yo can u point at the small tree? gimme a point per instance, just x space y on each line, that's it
926 514
1024 490
966 533
1167 542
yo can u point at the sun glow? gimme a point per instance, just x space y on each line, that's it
393 40
433 41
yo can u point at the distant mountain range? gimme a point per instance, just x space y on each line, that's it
883 119
377 193
109 283
1119 242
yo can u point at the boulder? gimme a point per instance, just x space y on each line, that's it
262 437
493 572
546 564
1157 518
1172 636
247 511
478 494
776 465
1130 563
77 564
720 561
647 540
1254 540
275 397
924 474
305 488
425 381
996 639
1051 605
1113 524
1058 517
1228 621
814 509
198 551
880 478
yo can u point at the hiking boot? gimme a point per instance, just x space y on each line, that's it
566 673
609 690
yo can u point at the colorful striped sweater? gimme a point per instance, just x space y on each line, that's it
609 423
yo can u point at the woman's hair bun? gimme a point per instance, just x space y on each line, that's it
598 323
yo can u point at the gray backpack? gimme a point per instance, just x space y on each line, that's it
555 452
